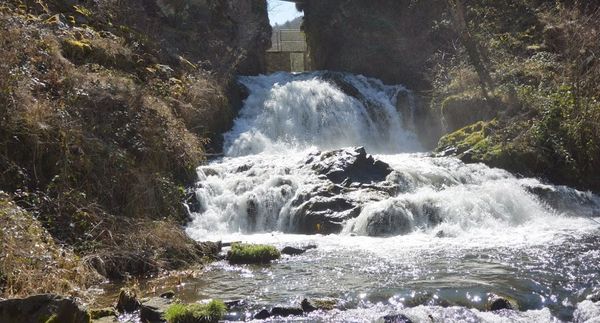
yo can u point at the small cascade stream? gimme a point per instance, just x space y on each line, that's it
331 160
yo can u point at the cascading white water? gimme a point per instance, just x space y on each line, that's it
445 232
287 117
285 112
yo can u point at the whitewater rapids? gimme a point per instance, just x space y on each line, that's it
457 232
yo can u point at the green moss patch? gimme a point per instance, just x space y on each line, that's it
252 254
196 313
465 138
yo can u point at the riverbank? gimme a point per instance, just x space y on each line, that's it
106 110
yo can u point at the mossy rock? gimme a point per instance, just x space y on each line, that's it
76 49
461 110
466 138
213 311
252 254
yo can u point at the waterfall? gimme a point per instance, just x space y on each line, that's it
291 165
311 110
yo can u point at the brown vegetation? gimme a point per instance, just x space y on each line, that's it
30 260
102 126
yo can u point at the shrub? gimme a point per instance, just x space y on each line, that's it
252 254
196 313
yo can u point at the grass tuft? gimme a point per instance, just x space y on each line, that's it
252 254
194 313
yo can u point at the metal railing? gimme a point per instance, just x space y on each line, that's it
288 40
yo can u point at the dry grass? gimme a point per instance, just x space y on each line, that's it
96 147
30 260
145 248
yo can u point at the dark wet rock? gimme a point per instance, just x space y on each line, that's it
295 251
353 165
153 309
307 306
292 251
348 179
262 315
243 168
286 311
563 198
252 212
168 294
324 215
40 308
389 221
210 171
396 318
127 301
400 217
192 203
99 313
233 304
497 303
594 297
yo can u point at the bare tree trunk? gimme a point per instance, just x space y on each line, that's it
476 57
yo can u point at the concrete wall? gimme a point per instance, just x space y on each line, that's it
288 62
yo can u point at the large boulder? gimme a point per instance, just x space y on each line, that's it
326 215
351 165
325 207
43 308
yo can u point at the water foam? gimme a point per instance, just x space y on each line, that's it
285 111
287 117
452 231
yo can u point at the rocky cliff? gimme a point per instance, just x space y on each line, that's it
392 40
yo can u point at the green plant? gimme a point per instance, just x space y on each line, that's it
252 254
194 313
52 319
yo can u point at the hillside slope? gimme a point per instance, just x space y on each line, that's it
106 109
522 76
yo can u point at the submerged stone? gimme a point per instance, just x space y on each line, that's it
286 311
127 301
497 303
292 251
168 294
262 315
397 318
323 304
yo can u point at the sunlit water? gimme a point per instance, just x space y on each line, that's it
458 233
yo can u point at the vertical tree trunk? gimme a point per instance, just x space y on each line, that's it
457 9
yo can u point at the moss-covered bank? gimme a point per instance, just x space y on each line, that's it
543 61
